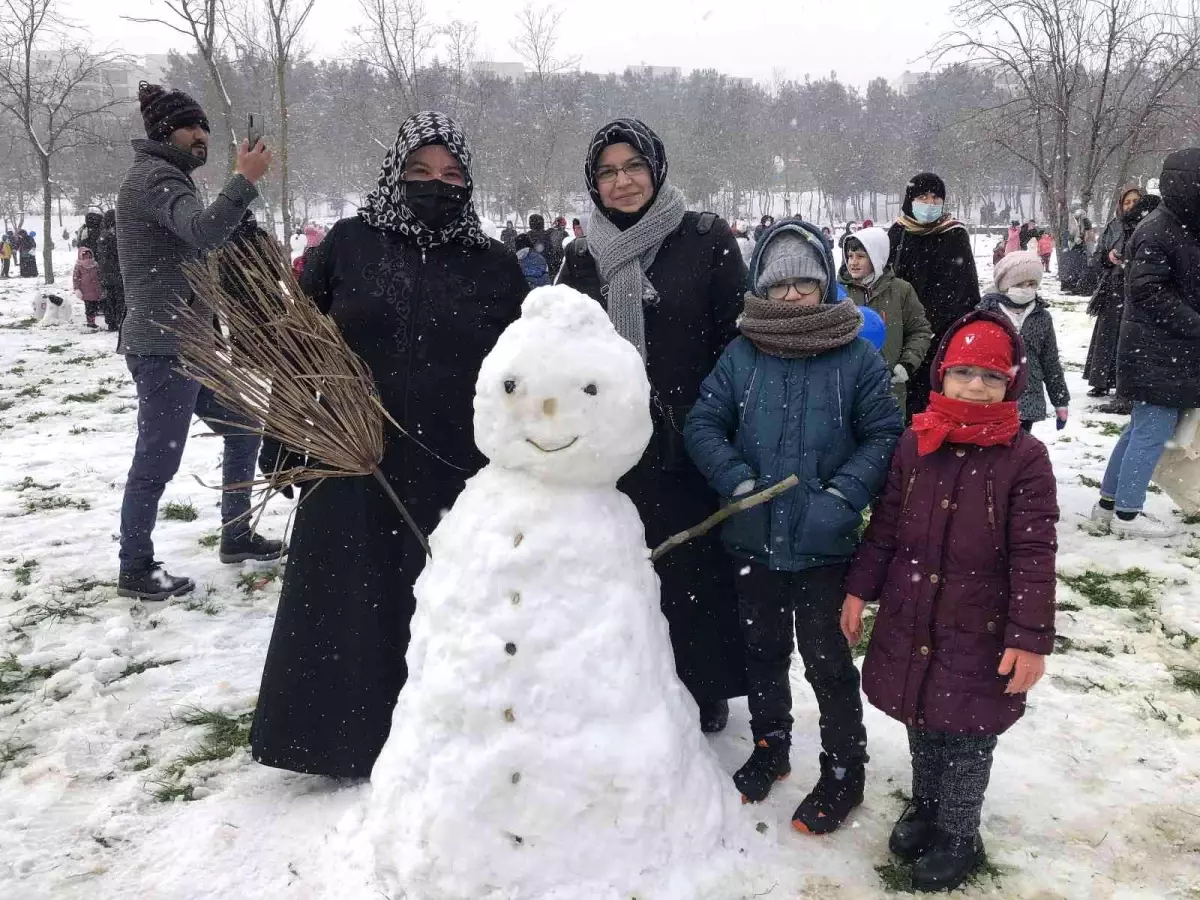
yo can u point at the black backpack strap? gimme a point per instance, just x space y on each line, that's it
705 223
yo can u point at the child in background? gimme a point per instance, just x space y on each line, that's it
870 283
960 556
798 393
1017 279
1045 248
533 265
86 281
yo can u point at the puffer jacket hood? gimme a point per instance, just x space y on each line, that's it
878 246
809 232
1021 377
1180 185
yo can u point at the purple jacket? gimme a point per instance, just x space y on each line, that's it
960 556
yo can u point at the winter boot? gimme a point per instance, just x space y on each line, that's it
152 584
714 716
838 791
768 764
91 323
913 833
250 546
948 862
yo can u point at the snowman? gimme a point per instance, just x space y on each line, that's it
543 747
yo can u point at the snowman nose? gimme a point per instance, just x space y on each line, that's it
549 406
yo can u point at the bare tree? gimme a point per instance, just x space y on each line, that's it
536 44
282 21
54 87
398 40
202 21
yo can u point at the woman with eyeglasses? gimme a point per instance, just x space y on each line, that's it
671 281
799 393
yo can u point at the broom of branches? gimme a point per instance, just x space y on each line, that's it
286 366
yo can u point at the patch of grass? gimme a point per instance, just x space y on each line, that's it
197 604
24 572
28 484
1190 518
54 501
169 792
17 370
89 397
1153 489
210 540
868 628
1187 680
1089 482
10 752
139 666
897 876
79 429
15 678
139 760
1108 429
250 582
31 391
1118 590
224 735
124 408
59 348
1063 643
58 609
179 512
81 360
1067 606
23 323
6 405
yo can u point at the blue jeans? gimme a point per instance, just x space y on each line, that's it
1137 453
166 402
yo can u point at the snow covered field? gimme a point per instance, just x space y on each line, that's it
107 791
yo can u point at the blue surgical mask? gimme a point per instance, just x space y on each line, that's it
927 213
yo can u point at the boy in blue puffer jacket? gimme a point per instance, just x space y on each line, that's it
799 392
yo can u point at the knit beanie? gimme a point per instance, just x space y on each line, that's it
163 111
922 183
983 344
789 255
1015 267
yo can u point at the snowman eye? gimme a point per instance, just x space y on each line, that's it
510 386
591 390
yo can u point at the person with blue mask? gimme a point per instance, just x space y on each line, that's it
799 392
931 250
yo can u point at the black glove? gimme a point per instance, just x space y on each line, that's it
274 457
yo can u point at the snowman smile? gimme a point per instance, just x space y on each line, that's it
570 443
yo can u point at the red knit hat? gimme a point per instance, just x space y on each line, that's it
983 344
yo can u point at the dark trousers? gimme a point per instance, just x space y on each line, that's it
4 264
771 606
953 769
114 307
167 401
90 309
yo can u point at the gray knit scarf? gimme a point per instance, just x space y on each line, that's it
622 258
792 331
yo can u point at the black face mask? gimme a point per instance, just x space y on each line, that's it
435 203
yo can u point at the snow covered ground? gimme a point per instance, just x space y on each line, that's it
106 790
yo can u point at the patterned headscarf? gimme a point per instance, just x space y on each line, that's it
385 207
637 134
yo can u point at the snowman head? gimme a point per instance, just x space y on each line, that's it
562 396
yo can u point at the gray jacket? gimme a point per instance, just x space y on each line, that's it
1041 352
160 226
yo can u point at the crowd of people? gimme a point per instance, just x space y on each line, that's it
21 246
759 371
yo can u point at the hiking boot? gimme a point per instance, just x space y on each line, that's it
250 546
714 716
838 791
913 833
1098 392
948 863
1143 526
768 764
152 584
1101 519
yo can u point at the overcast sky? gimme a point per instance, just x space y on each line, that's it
859 39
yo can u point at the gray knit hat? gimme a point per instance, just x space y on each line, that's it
789 255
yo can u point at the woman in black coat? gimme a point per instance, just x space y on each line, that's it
932 251
672 282
1100 370
421 294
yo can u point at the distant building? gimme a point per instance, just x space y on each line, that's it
512 70
909 82
655 71
744 82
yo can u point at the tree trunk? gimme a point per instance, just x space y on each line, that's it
47 220
285 200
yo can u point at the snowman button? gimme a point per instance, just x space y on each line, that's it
516 598
517 540
510 648
509 715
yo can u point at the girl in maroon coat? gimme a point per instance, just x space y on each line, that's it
86 282
960 556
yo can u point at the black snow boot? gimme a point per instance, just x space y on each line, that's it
714 716
948 863
838 791
768 764
250 546
913 833
152 584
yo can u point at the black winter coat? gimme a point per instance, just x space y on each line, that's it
941 267
109 262
1158 358
423 321
699 276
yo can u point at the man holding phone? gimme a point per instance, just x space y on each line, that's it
161 225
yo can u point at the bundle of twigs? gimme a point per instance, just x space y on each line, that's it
285 367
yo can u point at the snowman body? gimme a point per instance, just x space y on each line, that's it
543 747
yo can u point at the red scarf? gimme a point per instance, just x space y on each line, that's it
962 422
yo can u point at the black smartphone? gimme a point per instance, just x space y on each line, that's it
253 131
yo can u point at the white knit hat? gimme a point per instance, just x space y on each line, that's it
1015 267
